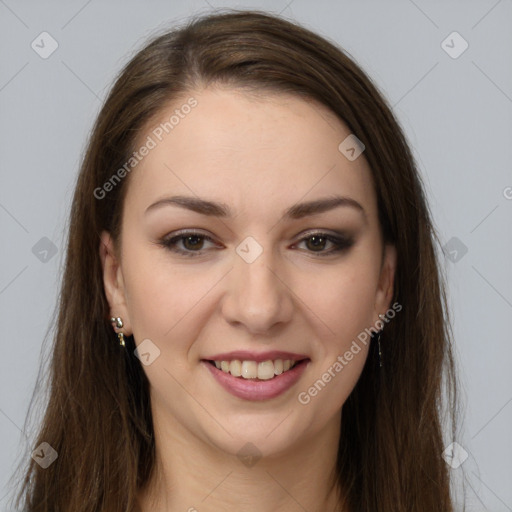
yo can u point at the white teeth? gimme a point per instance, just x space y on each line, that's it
264 370
249 369
235 368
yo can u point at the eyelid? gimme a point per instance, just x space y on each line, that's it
320 231
309 232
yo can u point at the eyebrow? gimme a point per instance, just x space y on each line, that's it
297 211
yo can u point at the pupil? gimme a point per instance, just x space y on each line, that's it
194 245
318 241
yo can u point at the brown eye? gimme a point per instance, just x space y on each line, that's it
316 243
193 242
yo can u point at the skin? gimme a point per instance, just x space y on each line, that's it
258 155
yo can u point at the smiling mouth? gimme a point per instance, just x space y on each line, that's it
258 371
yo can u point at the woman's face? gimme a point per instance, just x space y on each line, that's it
252 283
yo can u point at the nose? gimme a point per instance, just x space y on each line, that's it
258 296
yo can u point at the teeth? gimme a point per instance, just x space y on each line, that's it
251 369
265 370
235 368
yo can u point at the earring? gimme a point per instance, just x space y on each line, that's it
119 323
378 343
380 351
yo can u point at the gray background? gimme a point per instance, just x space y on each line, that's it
456 113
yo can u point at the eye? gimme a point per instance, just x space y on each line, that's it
316 242
193 243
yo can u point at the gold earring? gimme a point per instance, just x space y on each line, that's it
119 323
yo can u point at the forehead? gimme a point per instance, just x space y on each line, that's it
248 151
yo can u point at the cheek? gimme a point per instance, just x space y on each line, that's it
159 294
340 374
344 304
343 300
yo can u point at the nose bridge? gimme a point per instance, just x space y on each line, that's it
256 298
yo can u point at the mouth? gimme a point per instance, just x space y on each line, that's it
256 380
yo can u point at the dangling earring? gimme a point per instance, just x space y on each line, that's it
119 323
378 343
380 351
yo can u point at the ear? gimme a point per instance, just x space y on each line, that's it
386 281
113 283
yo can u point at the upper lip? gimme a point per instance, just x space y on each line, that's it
247 355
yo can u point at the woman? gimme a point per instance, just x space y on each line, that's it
249 222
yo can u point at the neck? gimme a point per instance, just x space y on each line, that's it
193 475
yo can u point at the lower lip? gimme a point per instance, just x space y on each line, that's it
258 389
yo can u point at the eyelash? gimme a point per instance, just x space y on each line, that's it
342 243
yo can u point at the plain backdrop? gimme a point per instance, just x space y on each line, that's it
454 103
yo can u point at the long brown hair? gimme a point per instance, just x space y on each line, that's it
98 417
